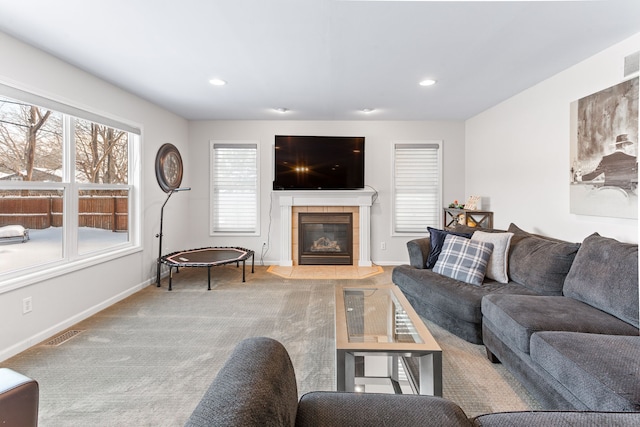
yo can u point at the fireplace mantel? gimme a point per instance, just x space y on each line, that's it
361 198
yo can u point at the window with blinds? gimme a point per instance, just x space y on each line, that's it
417 186
234 188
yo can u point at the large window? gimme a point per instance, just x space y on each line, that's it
417 187
66 177
234 188
102 174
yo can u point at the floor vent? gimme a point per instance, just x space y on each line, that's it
62 338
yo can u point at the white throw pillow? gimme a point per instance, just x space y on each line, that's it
497 267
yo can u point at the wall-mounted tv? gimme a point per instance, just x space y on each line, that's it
318 163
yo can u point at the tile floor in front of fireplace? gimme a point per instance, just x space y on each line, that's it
325 271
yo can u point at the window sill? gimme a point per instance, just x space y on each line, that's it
61 268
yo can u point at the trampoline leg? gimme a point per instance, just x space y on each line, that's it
252 261
209 278
170 276
243 264
158 265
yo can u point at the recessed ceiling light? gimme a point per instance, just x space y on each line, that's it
281 110
217 82
368 110
427 82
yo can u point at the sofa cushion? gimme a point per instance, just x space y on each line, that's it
541 264
602 371
463 259
436 239
326 408
605 275
451 296
497 266
558 419
519 316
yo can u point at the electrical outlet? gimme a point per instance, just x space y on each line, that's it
383 246
27 305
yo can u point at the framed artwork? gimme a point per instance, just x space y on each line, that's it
604 152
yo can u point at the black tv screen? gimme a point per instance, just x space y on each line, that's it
318 163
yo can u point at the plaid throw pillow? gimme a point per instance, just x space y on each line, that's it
463 259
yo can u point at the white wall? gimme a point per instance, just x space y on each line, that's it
517 153
379 136
61 301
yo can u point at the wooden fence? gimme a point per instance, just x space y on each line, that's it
104 212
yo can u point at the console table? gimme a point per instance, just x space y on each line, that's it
472 218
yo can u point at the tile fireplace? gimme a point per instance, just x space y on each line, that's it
356 202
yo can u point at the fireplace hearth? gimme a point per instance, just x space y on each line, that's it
325 238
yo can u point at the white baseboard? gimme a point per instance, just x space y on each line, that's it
390 263
55 329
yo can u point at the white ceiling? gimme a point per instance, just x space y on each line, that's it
322 59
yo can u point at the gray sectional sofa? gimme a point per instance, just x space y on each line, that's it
257 387
536 266
565 324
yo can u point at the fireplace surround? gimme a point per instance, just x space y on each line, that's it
357 201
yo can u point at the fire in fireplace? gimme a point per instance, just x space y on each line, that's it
325 238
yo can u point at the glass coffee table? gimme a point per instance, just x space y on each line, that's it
377 326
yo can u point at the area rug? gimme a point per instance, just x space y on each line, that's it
147 360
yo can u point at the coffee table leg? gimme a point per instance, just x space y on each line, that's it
395 373
431 374
345 371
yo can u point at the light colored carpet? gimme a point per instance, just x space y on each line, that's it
147 360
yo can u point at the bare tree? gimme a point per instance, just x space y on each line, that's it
101 153
30 138
36 120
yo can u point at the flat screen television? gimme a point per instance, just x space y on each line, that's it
318 163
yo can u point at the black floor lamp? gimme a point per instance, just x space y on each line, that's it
159 235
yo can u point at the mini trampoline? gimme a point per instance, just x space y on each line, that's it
207 257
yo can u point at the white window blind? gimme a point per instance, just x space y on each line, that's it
417 187
234 188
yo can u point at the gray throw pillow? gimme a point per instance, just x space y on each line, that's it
538 263
605 276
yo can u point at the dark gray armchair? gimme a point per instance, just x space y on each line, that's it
257 387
